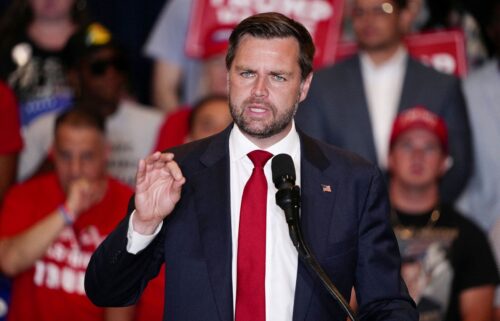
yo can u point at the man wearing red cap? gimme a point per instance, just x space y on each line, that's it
447 262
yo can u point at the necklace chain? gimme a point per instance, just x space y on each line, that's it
406 232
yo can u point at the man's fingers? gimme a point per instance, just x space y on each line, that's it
166 157
163 159
158 156
141 171
153 161
174 170
178 183
150 159
157 160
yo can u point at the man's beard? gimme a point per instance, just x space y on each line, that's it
276 125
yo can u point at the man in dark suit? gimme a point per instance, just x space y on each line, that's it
353 103
186 213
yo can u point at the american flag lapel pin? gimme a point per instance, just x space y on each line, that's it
326 188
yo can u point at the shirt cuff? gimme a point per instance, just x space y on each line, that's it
137 242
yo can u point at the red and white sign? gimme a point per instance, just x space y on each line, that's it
215 18
443 50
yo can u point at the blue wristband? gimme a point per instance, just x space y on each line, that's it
66 214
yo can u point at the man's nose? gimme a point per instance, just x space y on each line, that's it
76 167
418 153
260 87
111 73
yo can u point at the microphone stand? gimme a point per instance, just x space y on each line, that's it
289 200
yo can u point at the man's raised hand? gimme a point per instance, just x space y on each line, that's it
158 188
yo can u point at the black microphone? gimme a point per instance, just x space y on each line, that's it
288 198
283 171
288 195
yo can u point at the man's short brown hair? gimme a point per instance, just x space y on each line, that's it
81 116
274 25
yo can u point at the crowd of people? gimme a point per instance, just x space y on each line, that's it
73 131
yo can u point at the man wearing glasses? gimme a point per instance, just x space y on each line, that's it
99 75
97 71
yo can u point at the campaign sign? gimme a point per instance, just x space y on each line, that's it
443 50
214 19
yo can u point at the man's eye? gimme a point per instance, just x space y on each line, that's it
64 155
405 146
431 149
246 74
279 78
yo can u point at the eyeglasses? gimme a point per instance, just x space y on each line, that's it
99 67
384 9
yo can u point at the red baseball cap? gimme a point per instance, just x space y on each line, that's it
420 117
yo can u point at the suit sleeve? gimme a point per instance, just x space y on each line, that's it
381 292
459 142
115 277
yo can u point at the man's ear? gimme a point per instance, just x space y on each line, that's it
406 18
304 86
446 164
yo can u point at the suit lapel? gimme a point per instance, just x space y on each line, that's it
212 197
356 108
317 199
409 93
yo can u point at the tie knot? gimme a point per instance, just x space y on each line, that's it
259 158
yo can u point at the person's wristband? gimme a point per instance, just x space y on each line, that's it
68 216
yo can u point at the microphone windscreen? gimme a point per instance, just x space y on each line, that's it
283 170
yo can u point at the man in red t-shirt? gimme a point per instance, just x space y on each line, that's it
50 225
10 138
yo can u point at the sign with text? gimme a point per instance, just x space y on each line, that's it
214 19
443 50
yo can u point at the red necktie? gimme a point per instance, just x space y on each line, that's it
251 265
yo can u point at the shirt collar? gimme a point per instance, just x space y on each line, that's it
240 145
396 61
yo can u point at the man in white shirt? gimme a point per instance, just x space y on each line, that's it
187 212
353 103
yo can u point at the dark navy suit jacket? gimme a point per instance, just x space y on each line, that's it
348 230
336 111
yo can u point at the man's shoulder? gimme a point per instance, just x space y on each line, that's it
338 158
429 75
463 223
193 149
48 180
34 188
191 155
198 154
338 69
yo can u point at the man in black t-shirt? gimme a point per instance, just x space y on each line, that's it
448 264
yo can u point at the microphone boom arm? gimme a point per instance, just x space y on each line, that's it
288 199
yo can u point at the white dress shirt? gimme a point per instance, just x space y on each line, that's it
281 256
383 84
